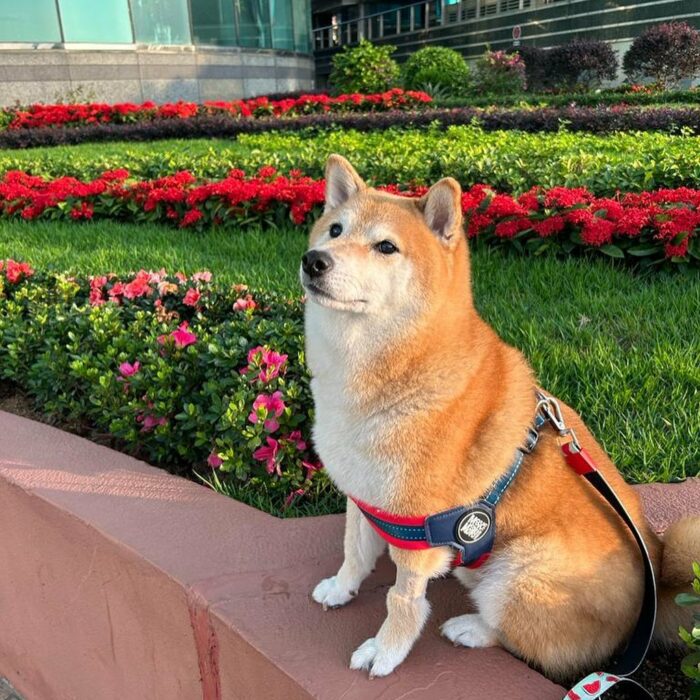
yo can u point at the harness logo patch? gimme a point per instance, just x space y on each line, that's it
473 526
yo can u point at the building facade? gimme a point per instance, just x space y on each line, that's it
471 26
162 50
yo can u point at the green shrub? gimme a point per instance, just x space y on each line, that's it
176 379
364 68
499 73
436 67
509 161
691 663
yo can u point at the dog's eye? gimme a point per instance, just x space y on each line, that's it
336 230
386 248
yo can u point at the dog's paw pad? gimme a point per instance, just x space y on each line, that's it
329 594
469 631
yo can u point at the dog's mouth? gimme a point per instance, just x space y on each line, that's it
325 298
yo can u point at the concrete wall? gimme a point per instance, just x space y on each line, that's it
133 75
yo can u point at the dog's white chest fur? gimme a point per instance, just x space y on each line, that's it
348 442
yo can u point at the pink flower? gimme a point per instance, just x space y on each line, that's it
270 363
292 496
139 286
214 461
311 468
192 297
203 276
268 454
269 408
244 304
126 369
183 337
295 437
149 422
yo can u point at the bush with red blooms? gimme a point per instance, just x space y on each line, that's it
190 374
40 115
652 227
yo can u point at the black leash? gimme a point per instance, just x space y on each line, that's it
597 684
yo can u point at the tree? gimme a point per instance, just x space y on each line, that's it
667 53
582 63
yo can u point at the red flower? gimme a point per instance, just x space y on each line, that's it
191 217
597 231
191 297
15 272
549 226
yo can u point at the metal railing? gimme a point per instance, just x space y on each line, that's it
420 16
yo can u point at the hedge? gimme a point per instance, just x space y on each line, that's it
69 115
651 227
624 95
596 120
508 161
181 372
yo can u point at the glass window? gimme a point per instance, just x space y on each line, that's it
254 23
282 24
214 22
29 20
161 21
302 13
101 22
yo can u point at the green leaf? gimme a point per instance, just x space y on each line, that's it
690 665
642 250
612 250
687 599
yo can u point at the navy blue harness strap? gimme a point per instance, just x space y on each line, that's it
470 530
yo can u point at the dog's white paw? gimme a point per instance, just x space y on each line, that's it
331 595
370 656
469 631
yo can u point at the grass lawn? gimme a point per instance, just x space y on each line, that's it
621 348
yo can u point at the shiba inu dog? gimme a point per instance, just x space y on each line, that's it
420 407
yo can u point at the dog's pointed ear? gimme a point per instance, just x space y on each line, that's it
342 182
442 210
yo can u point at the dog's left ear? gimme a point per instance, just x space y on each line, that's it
442 210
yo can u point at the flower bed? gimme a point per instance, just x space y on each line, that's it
216 122
181 372
510 161
61 115
653 227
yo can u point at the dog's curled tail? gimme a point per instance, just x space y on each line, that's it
681 547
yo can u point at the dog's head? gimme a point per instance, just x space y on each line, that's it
376 253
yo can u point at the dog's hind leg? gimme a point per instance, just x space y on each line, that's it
362 548
470 631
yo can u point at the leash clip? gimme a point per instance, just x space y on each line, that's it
551 411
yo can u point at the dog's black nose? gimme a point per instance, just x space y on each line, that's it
316 263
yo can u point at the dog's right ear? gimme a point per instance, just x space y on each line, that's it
342 182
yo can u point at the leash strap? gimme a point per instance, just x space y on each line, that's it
597 684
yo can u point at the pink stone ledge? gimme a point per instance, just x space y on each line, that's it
121 581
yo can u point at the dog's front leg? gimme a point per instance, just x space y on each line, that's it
407 612
362 548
